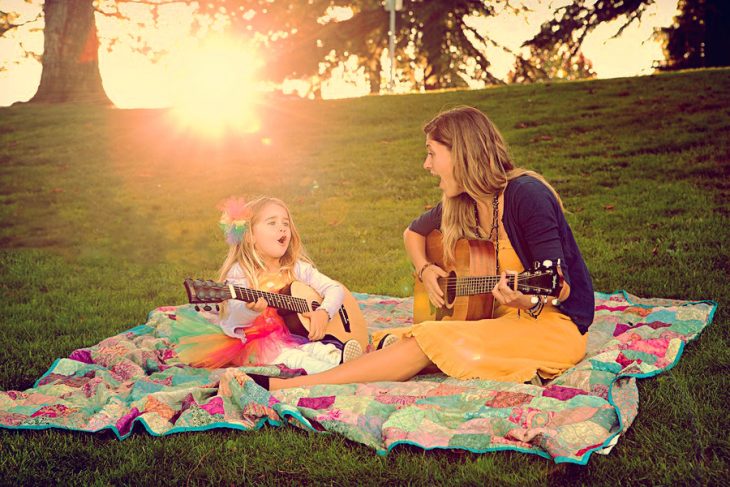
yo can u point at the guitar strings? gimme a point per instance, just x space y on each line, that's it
486 279
470 290
483 281
466 284
279 300
282 301
509 276
286 301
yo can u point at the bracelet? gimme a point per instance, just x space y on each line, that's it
423 268
535 311
322 308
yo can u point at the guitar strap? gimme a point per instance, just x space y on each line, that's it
495 226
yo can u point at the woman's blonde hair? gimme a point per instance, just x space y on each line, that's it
244 253
482 166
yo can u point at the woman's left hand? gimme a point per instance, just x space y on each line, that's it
317 324
508 296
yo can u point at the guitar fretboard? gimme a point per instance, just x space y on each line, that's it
281 301
471 286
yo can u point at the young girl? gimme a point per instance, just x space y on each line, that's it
265 253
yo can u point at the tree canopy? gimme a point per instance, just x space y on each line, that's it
438 42
435 44
699 36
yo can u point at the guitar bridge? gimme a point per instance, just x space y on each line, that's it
345 319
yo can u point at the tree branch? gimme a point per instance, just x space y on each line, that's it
7 25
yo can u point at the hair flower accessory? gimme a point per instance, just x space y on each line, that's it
235 219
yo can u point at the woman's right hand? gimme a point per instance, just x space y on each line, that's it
430 276
259 306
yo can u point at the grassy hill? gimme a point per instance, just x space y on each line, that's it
104 212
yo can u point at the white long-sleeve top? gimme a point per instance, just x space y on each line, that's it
238 315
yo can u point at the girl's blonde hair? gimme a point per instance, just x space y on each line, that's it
244 253
482 166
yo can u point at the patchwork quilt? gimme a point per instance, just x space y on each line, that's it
135 377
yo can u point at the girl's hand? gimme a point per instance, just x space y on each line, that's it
259 306
508 296
317 323
430 277
241 332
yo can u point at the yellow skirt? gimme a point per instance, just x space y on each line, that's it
508 348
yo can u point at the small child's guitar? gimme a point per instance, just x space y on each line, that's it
291 303
468 287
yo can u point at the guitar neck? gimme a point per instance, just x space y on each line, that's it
471 286
275 300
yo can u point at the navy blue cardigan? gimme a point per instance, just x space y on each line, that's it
538 231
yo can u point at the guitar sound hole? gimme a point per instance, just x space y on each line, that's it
450 291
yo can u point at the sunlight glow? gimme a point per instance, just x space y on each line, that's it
157 62
215 89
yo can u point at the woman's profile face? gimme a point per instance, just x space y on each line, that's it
438 163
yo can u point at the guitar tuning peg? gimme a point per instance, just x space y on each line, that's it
556 302
207 307
547 263
197 308
217 308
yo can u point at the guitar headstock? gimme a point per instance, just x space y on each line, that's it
542 279
206 292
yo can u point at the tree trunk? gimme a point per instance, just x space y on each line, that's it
373 70
70 55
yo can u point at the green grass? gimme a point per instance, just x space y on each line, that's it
103 213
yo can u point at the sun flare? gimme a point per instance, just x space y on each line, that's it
215 88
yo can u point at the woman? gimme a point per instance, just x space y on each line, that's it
484 196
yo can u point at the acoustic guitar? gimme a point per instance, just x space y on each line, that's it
468 287
291 303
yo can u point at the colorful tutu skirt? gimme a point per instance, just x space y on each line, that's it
201 343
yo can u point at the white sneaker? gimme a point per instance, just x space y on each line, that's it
350 351
387 341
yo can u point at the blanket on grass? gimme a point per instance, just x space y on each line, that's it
136 378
